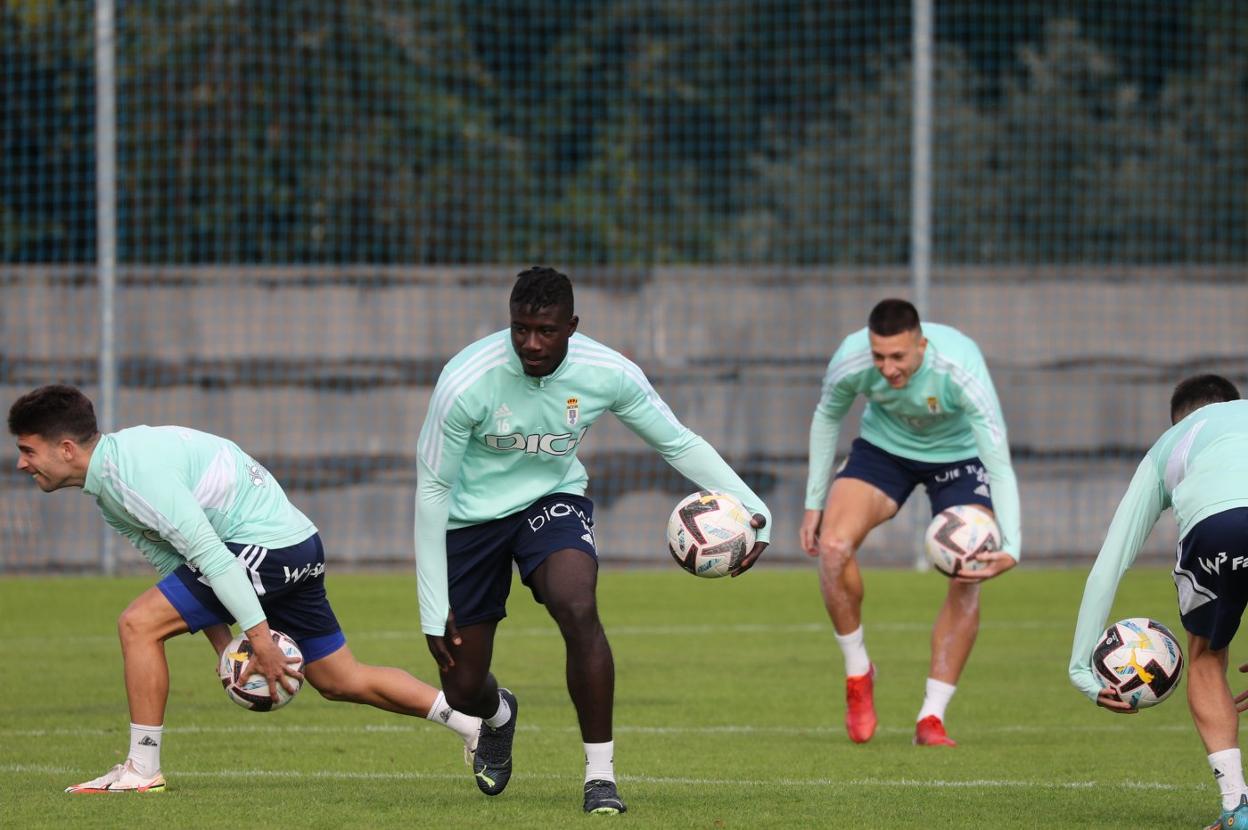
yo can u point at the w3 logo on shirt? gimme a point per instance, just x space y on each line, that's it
561 444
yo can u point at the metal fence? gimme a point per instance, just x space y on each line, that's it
275 221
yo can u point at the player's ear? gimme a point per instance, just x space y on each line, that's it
67 447
572 323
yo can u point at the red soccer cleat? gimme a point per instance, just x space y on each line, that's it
931 732
860 717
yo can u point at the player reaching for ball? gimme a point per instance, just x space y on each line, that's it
931 418
499 480
1198 467
230 547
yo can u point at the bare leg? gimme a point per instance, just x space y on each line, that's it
339 676
143 628
468 685
954 633
567 582
853 509
1209 696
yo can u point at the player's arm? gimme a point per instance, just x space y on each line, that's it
162 503
836 395
1138 511
641 409
979 402
443 441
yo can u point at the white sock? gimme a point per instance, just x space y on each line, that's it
937 699
855 650
1228 771
600 762
145 749
501 716
441 712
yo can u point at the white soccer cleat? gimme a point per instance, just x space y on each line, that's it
121 779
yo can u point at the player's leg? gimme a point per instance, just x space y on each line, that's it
143 628
341 677
953 637
479 581
963 482
292 593
1211 604
558 561
853 508
1217 721
566 582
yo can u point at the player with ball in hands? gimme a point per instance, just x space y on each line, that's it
932 418
230 547
499 480
1199 468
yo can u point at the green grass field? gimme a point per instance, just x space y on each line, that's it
729 708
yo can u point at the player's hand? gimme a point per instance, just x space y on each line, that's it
808 535
746 562
1241 699
998 562
1109 699
268 660
438 647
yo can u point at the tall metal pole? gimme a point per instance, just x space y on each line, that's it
921 157
106 228
921 183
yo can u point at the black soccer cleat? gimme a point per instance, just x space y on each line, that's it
602 799
491 763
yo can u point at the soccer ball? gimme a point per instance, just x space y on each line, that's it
709 533
1140 659
956 535
252 692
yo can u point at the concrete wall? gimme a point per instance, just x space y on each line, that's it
325 373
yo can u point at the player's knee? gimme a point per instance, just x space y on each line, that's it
835 552
134 625
575 614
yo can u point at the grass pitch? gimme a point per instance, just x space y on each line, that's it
729 710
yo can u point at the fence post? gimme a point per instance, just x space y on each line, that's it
106 228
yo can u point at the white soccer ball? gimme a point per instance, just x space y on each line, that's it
709 533
956 535
1140 659
252 692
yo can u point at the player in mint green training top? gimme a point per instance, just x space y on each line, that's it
1199 467
230 547
932 418
499 481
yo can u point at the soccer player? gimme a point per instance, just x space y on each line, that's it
499 480
932 418
1199 467
230 547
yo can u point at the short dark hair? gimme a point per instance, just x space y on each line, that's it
1194 392
54 412
542 287
893 316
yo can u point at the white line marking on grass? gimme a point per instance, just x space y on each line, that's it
832 783
418 726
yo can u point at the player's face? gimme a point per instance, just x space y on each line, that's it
899 356
540 337
49 463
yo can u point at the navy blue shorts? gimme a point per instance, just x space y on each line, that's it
948 483
1212 576
290 584
478 558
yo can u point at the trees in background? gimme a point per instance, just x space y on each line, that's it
628 132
